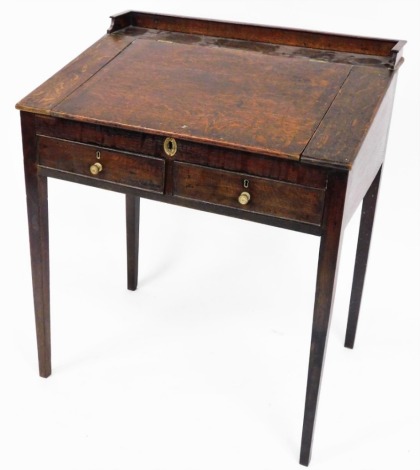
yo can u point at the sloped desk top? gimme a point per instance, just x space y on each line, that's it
269 98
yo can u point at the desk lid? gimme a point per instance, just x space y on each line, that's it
285 93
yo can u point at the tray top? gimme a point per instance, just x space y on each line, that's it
233 93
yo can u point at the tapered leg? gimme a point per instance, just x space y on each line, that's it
37 205
132 206
325 286
362 255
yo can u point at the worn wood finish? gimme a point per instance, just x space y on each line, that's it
189 152
371 154
283 50
337 140
206 206
298 119
329 253
257 33
268 197
54 90
37 204
362 255
126 168
275 110
132 213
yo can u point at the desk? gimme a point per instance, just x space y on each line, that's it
278 126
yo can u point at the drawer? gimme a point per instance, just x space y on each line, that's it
268 197
125 168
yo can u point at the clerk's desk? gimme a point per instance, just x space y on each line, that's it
278 126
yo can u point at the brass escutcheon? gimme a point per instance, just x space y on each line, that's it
169 146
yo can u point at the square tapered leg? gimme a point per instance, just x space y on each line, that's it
37 205
132 209
325 286
362 255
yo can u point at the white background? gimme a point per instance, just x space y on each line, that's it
204 366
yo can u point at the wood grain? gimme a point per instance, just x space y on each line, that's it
238 99
298 119
371 154
37 205
329 254
126 168
132 217
341 133
367 219
43 99
268 197
255 33
188 152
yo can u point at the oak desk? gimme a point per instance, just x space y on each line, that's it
278 126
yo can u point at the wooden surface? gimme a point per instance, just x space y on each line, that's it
297 119
329 255
342 131
234 98
300 102
275 198
69 78
125 168
362 255
37 205
257 33
189 152
371 154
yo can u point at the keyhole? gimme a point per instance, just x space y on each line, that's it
169 146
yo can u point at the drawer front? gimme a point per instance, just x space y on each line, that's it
126 168
268 197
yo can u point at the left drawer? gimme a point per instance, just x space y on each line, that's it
126 168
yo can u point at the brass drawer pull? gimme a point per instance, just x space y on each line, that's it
96 168
169 146
244 198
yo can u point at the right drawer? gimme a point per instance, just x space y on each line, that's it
269 197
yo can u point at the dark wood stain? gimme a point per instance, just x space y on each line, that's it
298 119
194 93
329 253
130 169
189 152
362 255
37 203
268 197
132 214
338 138
371 153
257 33
69 78
332 56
